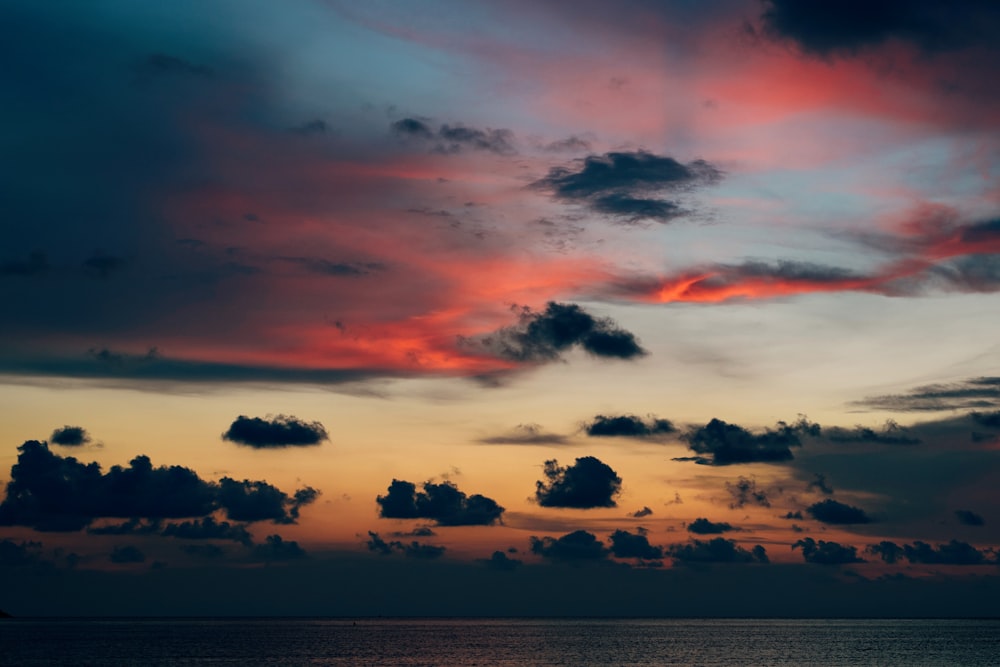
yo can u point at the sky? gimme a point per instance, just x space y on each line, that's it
655 308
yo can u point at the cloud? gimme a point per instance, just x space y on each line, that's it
988 419
208 529
526 434
127 554
832 512
502 562
70 436
130 527
615 183
628 426
457 138
644 512
414 549
891 434
744 492
972 394
203 550
820 484
36 264
628 545
952 553
588 483
50 492
719 443
274 548
716 550
827 553
703 526
969 518
572 547
278 431
545 336
442 503
19 554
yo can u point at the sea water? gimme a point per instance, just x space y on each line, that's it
449 642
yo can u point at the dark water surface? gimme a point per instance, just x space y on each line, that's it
448 642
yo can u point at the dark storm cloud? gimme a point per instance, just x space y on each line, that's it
526 434
588 483
969 518
832 512
716 550
827 553
703 526
502 562
70 436
127 554
50 492
414 549
19 554
846 28
576 546
952 553
275 548
456 138
628 426
544 336
208 529
618 183
891 434
744 492
279 431
971 394
35 264
720 443
628 545
442 503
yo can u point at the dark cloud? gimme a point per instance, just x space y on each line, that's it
719 443
70 436
716 550
849 27
502 562
644 512
628 545
102 265
158 64
561 326
338 269
127 554
987 419
703 526
833 512
618 184
442 503
208 529
34 265
628 426
279 431
275 548
419 531
588 483
414 549
576 546
50 492
952 553
969 518
19 554
827 553
456 138
972 394
820 484
891 434
793 515
526 434
744 492
567 145
130 527
203 550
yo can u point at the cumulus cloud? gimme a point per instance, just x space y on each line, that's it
546 335
628 426
703 526
952 553
208 529
720 443
827 553
70 436
744 492
634 545
588 483
576 546
442 503
833 512
502 562
716 550
274 548
413 549
50 492
278 431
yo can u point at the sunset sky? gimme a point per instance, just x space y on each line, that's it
445 307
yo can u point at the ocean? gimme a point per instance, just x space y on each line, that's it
449 642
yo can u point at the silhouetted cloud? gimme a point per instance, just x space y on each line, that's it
278 431
442 503
628 545
891 434
987 419
952 553
619 183
972 394
827 553
50 492
419 531
969 518
705 527
820 484
719 443
414 549
545 336
274 548
576 546
589 482
628 426
644 512
19 554
526 434
423 551
102 265
744 492
502 562
127 554
456 138
70 436
797 515
716 550
130 527
833 512
208 529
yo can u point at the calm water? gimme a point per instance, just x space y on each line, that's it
447 642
